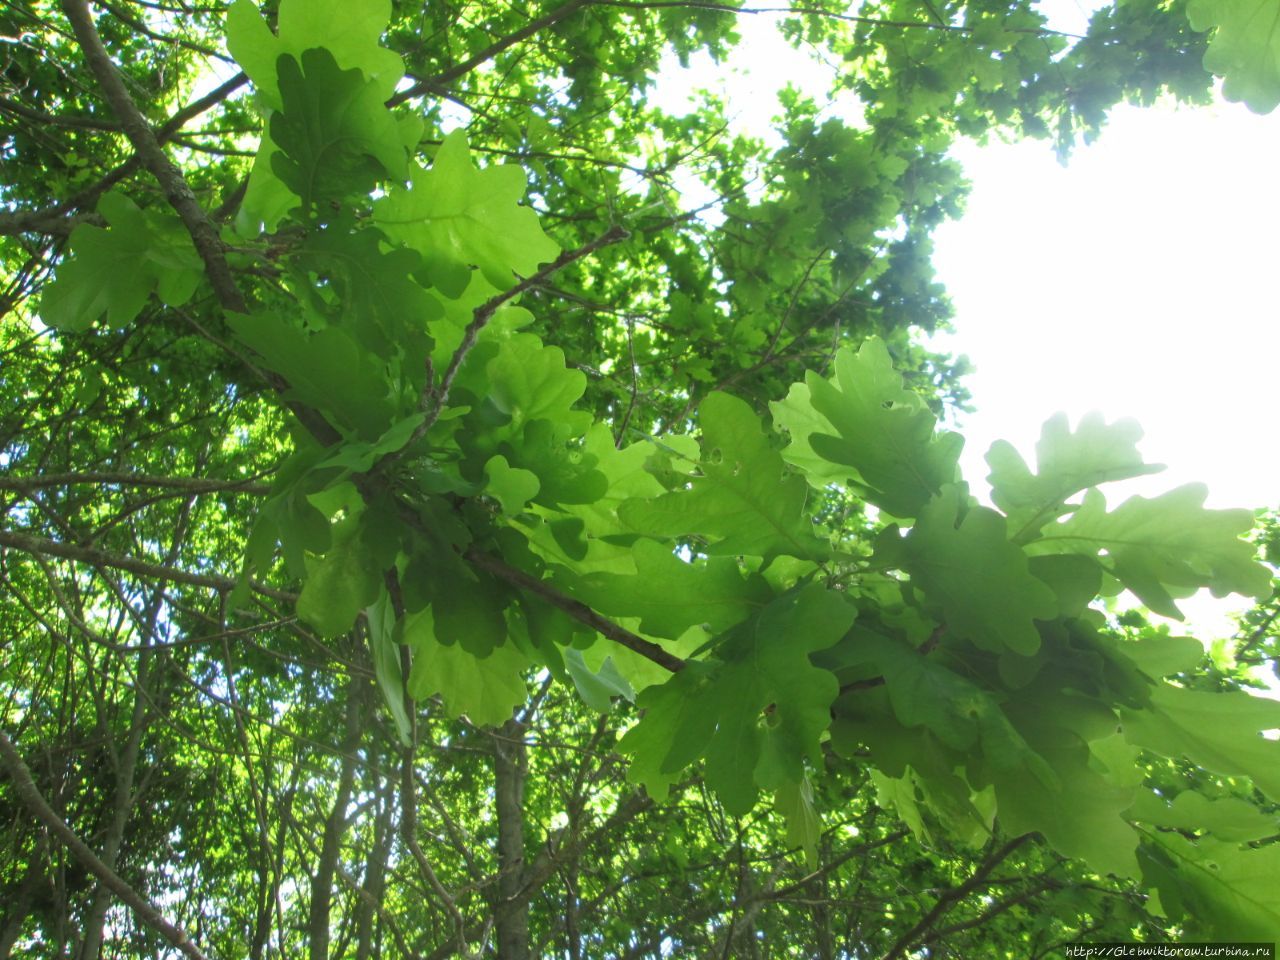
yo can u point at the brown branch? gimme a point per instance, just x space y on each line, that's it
30 795
575 608
39 546
484 313
952 896
815 12
450 74
203 233
184 484
53 221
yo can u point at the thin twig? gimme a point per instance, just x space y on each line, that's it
488 53
484 313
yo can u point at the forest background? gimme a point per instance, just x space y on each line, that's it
431 539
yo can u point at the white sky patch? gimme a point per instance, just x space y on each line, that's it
1139 281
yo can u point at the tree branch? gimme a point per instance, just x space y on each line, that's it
952 896
203 233
40 546
488 53
53 221
183 484
30 795
484 313
575 608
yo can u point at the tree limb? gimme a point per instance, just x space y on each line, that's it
574 608
203 233
28 543
450 74
184 484
30 795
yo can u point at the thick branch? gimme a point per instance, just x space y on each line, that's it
203 233
40 546
53 221
30 795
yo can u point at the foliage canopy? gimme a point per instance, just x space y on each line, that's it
430 534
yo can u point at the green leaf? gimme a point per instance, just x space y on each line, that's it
565 473
899 794
1227 818
326 370
755 715
468 609
960 714
1244 48
886 442
455 215
1066 463
335 137
742 499
530 381
804 827
511 486
964 562
1217 890
1163 547
374 294
359 457
350 32
345 581
1221 732
487 689
670 595
1082 817
387 667
115 270
597 688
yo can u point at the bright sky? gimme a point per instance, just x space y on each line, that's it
1139 280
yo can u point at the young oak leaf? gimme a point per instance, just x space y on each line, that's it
1217 890
1221 732
512 487
880 435
1066 463
350 32
669 595
981 581
1227 818
756 714
335 137
1244 48
340 585
742 499
455 216
486 688
1081 815
1163 547
114 270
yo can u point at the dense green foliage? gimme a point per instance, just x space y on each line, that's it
429 533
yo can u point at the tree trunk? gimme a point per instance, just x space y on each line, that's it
511 913
334 828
